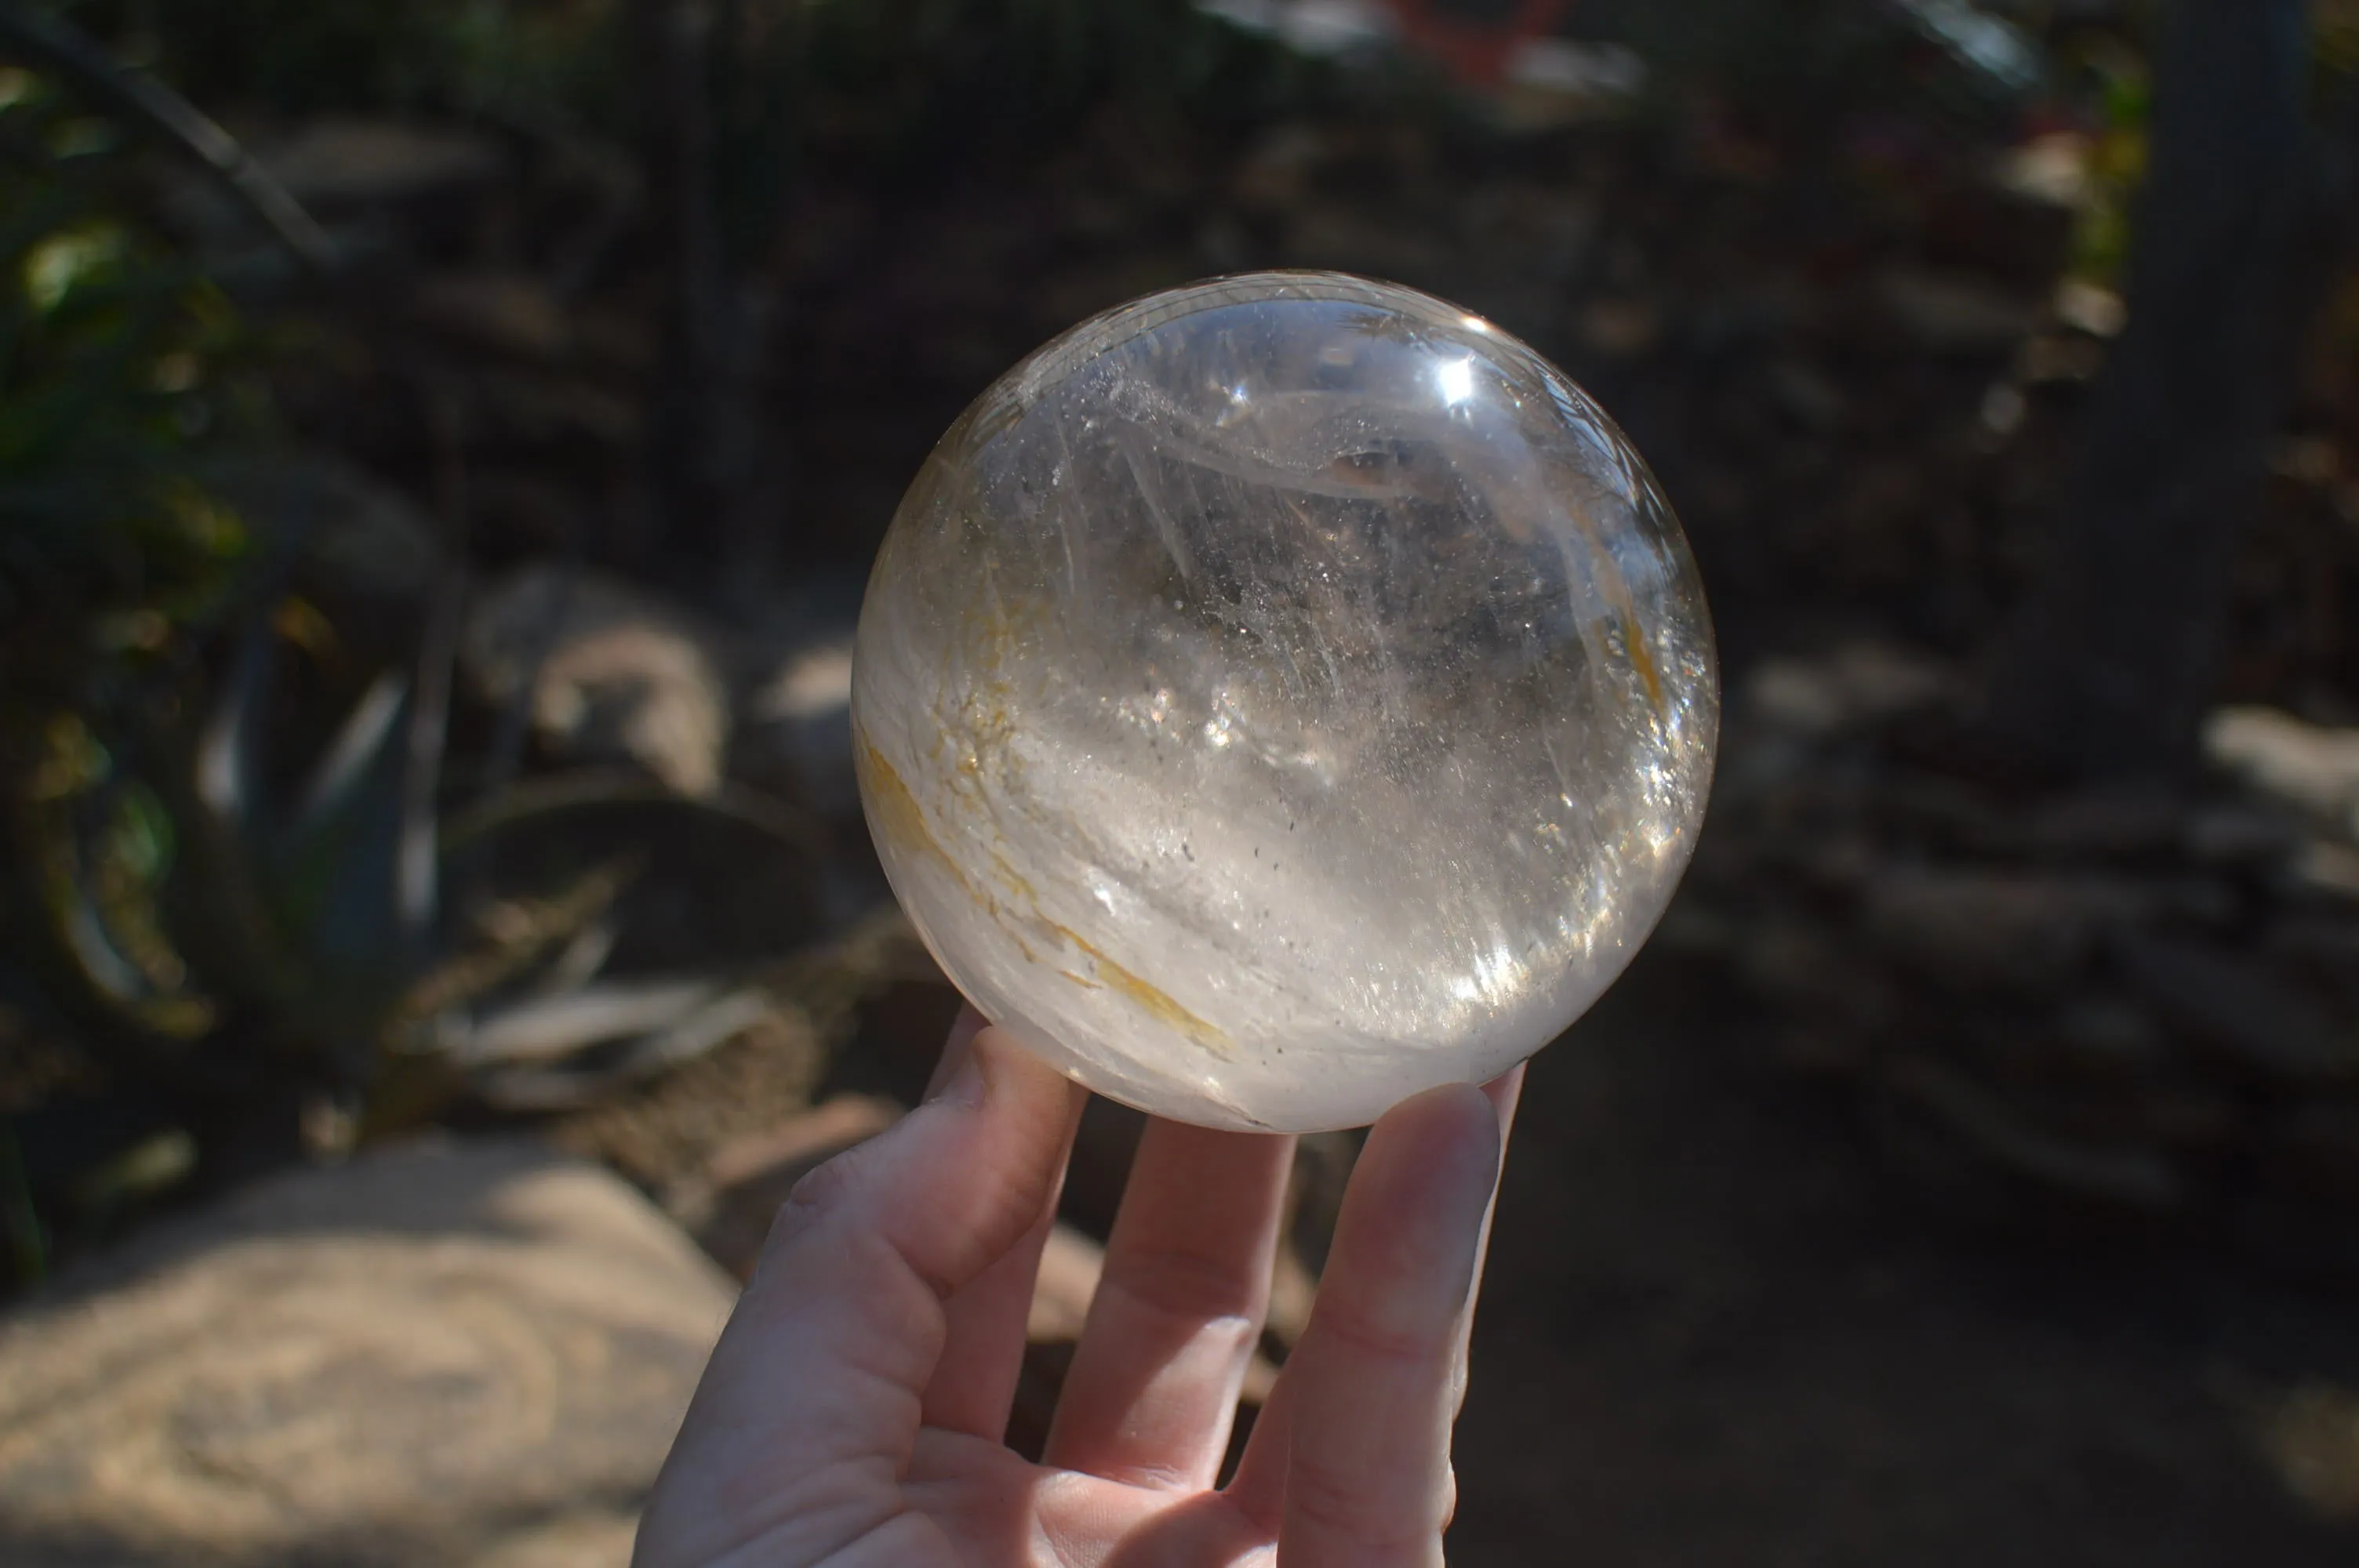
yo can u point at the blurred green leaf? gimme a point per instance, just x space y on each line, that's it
27 1238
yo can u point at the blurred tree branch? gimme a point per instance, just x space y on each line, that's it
54 42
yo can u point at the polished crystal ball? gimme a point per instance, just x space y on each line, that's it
1282 695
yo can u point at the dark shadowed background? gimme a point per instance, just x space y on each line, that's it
441 445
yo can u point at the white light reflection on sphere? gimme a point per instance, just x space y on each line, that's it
1282 695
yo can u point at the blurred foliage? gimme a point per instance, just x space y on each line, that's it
216 809
904 80
220 797
2123 91
2108 71
2337 24
125 378
122 371
299 57
214 783
221 903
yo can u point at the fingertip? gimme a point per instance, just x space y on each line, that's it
982 1063
1471 1103
957 1181
1450 1135
1374 1375
969 1023
1506 1092
956 1048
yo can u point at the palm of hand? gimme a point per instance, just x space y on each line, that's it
853 1412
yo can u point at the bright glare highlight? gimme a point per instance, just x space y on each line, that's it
1456 379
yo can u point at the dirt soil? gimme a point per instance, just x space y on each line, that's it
1713 1332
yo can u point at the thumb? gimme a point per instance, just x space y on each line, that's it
816 1382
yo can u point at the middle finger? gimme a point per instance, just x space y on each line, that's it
1154 1383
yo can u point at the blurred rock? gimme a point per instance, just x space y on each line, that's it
2314 1149
2205 1121
1691 926
794 718
2092 990
1807 395
1619 329
519 505
615 672
2107 1036
359 537
1956 314
1936 811
1995 1133
2022 932
1276 174
2327 871
2262 1021
1550 229
1332 234
1070 1264
2322 949
1861 683
1317 28
2310 1435
1293 1290
2101 824
1809 966
2053 168
2087 308
532 406
1549 83
2307 767
506 311
443 1355
342 162
2240 836
2056 359
1815 1049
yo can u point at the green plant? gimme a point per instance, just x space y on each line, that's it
228 882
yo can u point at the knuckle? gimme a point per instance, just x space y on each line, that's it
1362 1338
1184 1282
820 1192
823 1186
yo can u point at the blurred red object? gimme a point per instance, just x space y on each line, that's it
1474 49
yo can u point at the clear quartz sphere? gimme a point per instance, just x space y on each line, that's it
1282 695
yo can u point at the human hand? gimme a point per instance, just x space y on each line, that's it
852 1413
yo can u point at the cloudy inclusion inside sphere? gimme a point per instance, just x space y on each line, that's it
1282 695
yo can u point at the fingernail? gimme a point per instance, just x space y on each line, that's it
968 1085
1469 1179
1441 1203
